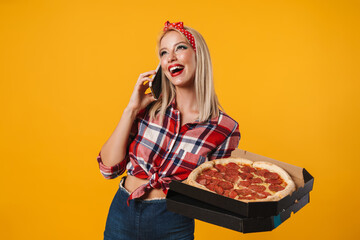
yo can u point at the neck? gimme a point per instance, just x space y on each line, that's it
186 101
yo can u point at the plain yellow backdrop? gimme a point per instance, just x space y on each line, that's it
287 71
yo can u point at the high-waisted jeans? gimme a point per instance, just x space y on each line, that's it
145 220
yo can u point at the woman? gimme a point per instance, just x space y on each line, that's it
158 141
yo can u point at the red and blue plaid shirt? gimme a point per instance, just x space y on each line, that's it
163 151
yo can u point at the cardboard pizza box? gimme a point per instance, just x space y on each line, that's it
303 181
193 208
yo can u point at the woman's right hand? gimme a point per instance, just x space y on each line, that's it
115 149
139 99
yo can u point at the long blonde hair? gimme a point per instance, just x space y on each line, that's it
204 84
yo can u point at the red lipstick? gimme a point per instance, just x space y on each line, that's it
175 69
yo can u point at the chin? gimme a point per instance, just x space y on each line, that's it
183 83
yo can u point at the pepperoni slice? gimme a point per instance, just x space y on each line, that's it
257 188
274 181
246 169
218 175
220 167
246 176
255 195
226 193
244 183
261 172
232 179
271 175
243 176
205 172
233 194
211 186
215 181
256 180
232 172
225 185
206 176
247 198
261 196
276 187
199 179
203 181
252 169
210 172
266 193
243 191
249 176
232 165
219 190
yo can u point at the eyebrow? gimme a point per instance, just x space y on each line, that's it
174 45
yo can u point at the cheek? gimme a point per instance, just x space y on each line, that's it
192 59
189 59
192 62
164 70
163 66
162 63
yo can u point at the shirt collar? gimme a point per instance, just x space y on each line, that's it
174 108
173 103
213 120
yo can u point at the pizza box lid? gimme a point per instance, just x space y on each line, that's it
193 208
302 178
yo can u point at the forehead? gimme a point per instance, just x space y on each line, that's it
171 38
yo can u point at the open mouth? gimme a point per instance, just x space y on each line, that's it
176 70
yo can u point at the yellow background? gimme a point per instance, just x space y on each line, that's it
287 71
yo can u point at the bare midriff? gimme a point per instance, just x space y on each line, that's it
132 183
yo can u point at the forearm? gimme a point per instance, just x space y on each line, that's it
114 150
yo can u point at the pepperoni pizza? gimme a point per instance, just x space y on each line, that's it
242 179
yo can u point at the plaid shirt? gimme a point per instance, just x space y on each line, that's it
162 151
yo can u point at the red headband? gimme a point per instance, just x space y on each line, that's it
180 26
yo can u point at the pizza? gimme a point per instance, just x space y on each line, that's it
243 179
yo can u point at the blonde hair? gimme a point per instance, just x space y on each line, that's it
207 100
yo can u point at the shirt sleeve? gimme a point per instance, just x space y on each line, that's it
114 171
230 144
118 169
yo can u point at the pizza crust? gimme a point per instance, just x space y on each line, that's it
290 185
195 173
234 160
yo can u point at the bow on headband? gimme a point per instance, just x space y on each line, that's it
180 26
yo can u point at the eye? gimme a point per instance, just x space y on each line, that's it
162 53
181 47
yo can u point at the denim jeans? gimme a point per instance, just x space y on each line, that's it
145 220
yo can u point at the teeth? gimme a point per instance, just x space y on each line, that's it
174 68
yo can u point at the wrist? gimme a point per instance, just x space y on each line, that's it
131 111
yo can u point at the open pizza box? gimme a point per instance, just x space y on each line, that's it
240 216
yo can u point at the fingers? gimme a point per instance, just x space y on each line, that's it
149 73
150 98
143 81
144 86
140 98
146 76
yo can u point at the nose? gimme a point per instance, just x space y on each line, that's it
171 57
